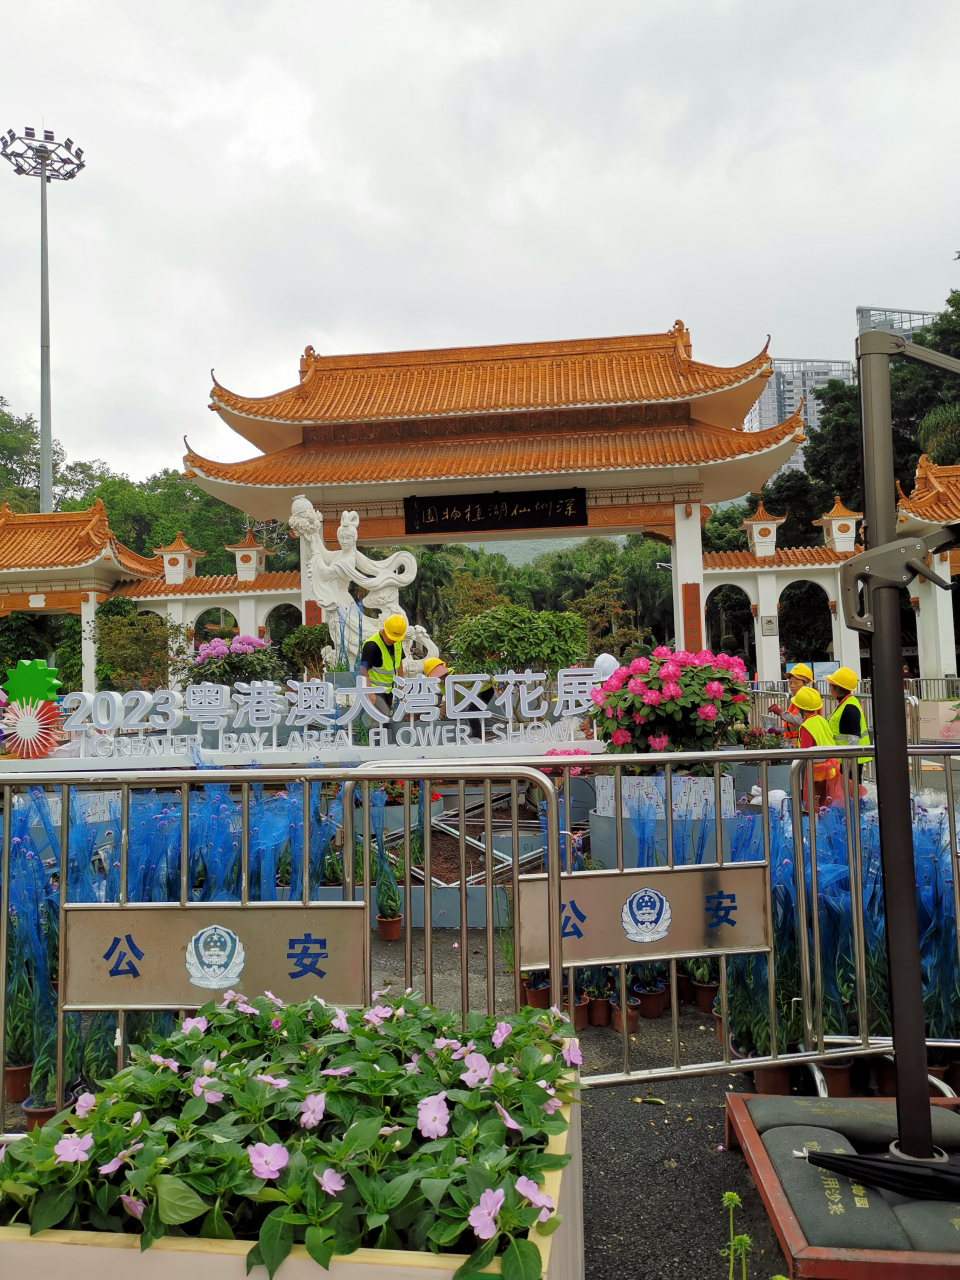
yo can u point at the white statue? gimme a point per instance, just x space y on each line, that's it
330 573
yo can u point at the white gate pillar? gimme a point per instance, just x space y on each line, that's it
935 636
88 643
846 643
768 646
687 563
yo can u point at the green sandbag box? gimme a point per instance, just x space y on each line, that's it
832 1211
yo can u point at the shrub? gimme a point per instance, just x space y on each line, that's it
245 658
513 637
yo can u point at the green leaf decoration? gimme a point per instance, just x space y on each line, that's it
32 681
176 1202
521 1261
51 1207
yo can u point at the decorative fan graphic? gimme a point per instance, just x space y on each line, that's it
31 728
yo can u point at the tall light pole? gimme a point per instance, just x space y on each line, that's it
46 159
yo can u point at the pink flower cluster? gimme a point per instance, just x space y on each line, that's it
217 648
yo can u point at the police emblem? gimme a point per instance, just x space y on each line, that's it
646 916
215 958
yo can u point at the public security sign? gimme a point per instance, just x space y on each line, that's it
654 913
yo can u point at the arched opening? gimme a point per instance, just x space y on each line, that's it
806 630
280 622
214 623
730 626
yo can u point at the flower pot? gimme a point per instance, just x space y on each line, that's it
706 993
953 1076
600 1011
685 991
389 928
718 1021
886 1077
16 1081
581 1012
650 1003
772 1080
536 997
37 1117
940 1072
633 1015
837 1076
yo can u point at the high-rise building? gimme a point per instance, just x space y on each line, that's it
905 323
793 380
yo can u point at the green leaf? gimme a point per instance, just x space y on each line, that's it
51 1207
399 1189
549 1227
181 1149
521 1261
176 1202
478 1259
276 1240
319 1243
193 1109
375 1220
254 1258
19 1190
215 1225
361 1136
433 1189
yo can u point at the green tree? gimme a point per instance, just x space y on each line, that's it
424 598
648 589
722 531
801 500
940 434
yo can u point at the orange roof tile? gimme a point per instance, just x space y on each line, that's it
66 540
936 493
785 558
466 380
476 457
178 544
838 512
762 516
214 585
250 543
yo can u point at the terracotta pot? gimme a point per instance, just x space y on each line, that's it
706 993
772 1080
389 928
600 1012
650 1003
886 1078
633 1015
536 997
719 1025
953 1076
941 1074
16 1082
667 997
36 1117
837 1076
581 1013
685 991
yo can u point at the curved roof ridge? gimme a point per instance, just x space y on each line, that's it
763 516
838 512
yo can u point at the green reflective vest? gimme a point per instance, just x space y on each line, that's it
834 722
819 730
382 676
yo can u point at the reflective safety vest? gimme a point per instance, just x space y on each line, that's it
834 722
821 733
791 733
382 675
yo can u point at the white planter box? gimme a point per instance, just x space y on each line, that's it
104 1255
393 816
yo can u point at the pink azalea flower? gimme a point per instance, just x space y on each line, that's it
483 1216
713 689
669 671
683 658
267 1160
738 697
72 1149
273 1081
662 651
330 1181
620 713
200 1087
243 1007
635 686
500 1034
165 1062
113 1165
704 658
658 741
188 1024
134 1207
596 697
609 714
530 1191
640 666
336 1071
571 1054
637 718
671 690
707 712
620 737
433 1116
312 1109
340 1021
276 1024
651 698
621 673
85 1104
478 1070
505 1116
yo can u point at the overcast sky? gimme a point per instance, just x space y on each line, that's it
401 173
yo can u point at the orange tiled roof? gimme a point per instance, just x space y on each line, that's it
250 543
785 558
66 540
838 512
178 544
762 516
214 585
465 380
936 493
683 444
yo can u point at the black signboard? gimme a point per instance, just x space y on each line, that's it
493 512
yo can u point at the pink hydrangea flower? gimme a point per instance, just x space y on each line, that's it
478 1070
652 698
433 1115
312 1109
661 651
500 1034
340 1021
620 737
188 1024
72 1149
640 666
671 691
133 1206
707 712
268 1159
85 1104
506 1117
530 1191
635 686
330 1181
658 741
483 1216
713 689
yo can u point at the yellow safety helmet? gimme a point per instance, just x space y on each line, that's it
801 671
843 678
807 699
431 664
395 628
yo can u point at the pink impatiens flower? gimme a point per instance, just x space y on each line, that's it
188 1024
276 999
133 1206
433 1115
72 1149
162 1062
330 1181
572 1055
273 1081
85 1104
551 1105
276 1024
707 712
336 1071
340 1021
243 1007
530 1191
113 1165
500 1034
652 698
478 1070
483 1217
446 1044
713 689
312 1109
267 1160
200 1087
506 1117
620 737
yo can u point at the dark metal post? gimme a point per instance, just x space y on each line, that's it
893 779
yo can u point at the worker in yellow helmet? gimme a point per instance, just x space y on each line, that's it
439 670
381 659
848 722
799 677
816 732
